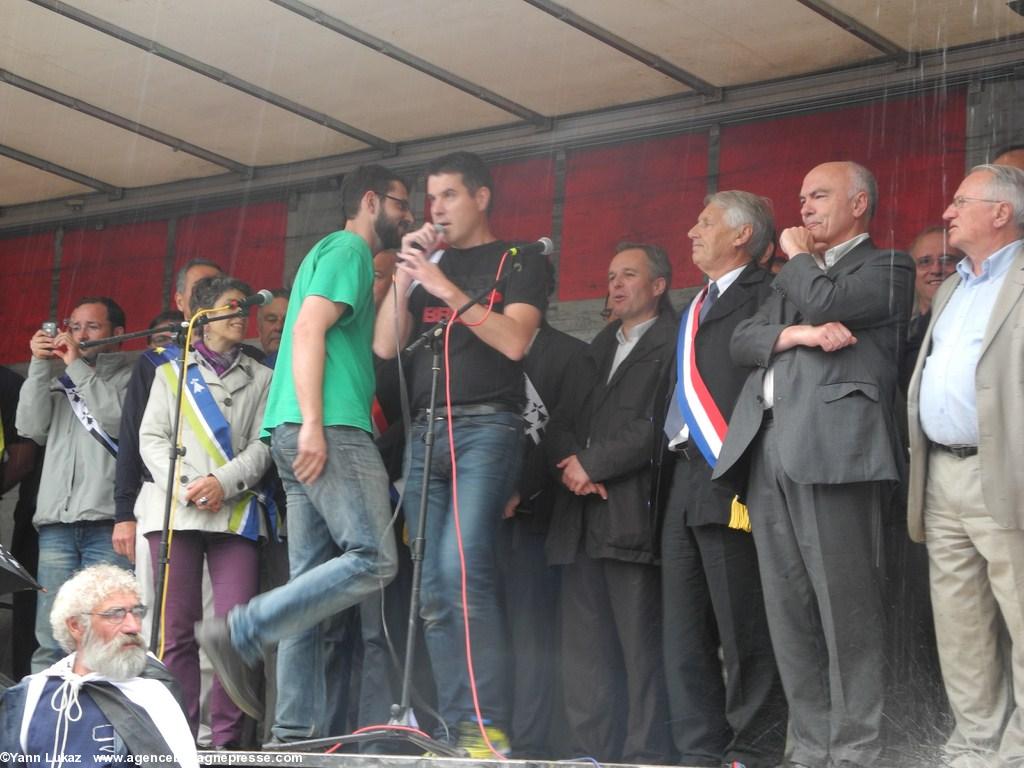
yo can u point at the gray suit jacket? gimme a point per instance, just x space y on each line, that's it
835 412
999 386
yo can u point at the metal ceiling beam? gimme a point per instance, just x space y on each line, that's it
114 193
856 28
99 113
622 45
411 60
219 75
665 117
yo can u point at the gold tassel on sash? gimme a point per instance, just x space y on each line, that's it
739 517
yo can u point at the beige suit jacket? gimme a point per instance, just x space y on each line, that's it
999 384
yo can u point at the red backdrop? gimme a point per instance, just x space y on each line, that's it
641 192
26 265
124 262
247 241
914 146
648 191
524 199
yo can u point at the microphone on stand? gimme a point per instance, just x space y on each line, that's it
260 299
543 247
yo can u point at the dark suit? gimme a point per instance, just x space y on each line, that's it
711 589
820 471
611 629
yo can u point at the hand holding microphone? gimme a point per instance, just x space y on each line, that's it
413 260
422 241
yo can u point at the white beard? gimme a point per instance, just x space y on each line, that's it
112 659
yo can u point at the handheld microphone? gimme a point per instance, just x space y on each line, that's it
439 229
543 247
260 299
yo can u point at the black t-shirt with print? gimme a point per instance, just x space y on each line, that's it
480 374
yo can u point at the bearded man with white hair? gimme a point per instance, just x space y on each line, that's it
106 701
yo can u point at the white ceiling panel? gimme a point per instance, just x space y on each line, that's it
40 45
728 43
20 183
926 25
513 49
290 56
90 146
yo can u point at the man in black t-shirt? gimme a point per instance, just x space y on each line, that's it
484 397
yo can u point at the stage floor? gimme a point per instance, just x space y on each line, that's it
321 760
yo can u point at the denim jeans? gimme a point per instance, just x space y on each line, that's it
488 452
65 548
339 552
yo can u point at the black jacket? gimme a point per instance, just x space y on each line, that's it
551 365
708 502
611 428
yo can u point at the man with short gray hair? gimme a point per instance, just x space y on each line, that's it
814 444
966 495
711 590
108 701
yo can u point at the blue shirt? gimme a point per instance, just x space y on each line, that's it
948 405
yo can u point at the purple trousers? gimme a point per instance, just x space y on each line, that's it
233 562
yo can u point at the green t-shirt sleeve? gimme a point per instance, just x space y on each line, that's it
343 275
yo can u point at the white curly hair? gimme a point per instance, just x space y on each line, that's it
80 595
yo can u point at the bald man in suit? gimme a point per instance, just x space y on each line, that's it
815 431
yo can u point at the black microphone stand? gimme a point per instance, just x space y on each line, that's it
175 328
402 712
176 451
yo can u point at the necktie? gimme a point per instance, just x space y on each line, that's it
709 300
674 419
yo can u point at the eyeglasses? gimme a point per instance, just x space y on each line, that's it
944 260
117 615
79 327
960 201
402 203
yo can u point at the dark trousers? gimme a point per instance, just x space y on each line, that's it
233 562
25 548
818 549
530 596
711 596
611 661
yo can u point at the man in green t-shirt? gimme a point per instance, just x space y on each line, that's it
318 422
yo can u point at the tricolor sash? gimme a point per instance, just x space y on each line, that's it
213 432
706 423
81 410
707 426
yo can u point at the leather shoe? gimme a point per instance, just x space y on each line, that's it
238 679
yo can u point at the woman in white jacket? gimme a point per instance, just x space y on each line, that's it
220 511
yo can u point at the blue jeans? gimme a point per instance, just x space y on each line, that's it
339 552
488 452
65 548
